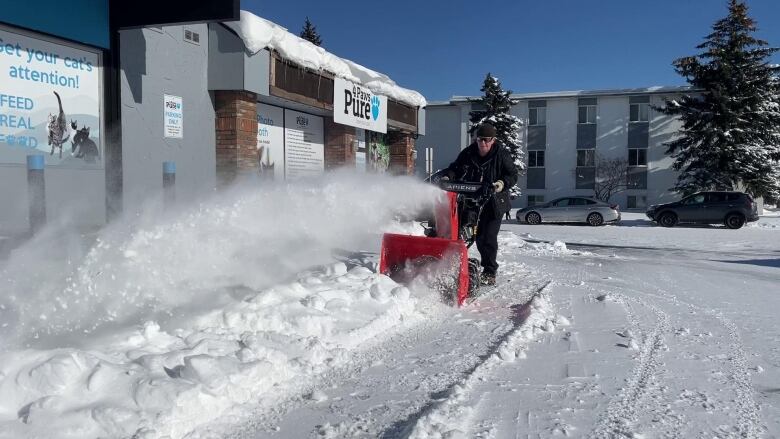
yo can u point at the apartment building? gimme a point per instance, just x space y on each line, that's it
565 134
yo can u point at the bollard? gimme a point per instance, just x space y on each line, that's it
169 184
36 191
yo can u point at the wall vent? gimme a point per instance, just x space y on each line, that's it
191 37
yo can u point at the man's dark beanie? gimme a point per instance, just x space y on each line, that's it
486 130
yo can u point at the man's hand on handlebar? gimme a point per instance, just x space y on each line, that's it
498 186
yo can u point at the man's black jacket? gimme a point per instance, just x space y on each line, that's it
496 165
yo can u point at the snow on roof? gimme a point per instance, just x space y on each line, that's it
259 33
656 89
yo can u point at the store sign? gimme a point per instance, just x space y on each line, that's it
270 141
49 102
173 117
357 106
304 146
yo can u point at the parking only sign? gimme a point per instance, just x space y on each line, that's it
173 116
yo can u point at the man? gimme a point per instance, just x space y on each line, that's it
486 160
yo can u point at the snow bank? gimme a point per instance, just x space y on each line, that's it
556 248
259 33
165 326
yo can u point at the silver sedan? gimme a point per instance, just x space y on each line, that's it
570 210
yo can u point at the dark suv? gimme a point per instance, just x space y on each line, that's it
730 208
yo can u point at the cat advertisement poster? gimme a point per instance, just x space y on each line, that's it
270 141
49 102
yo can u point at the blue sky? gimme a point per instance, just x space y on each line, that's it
445 48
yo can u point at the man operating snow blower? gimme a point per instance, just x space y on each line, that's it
487 161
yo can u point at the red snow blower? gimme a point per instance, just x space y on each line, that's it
442 254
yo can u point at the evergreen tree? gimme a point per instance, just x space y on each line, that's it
497 104
309 33
730 137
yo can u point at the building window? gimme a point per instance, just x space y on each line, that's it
535 200
636 202
637 177
536 159
639 112
586 157
537 116
587 114
637 157
585 177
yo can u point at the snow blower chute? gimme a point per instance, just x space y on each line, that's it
444 248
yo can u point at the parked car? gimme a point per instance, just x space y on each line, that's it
570 210
730 208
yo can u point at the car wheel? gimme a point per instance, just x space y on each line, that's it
735 221
533 218
595 219
668 219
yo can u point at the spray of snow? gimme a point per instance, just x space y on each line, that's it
189 316
246 239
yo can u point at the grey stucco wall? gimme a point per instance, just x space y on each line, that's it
154 64
231 68
442 134
660 175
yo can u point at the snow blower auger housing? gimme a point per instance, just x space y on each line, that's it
444 248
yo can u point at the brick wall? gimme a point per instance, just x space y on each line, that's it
236 133
401 147
339 140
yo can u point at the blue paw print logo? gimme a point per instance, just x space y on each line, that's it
375 107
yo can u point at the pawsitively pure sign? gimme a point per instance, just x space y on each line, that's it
357 106
49 102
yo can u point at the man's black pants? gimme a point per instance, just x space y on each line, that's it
487 240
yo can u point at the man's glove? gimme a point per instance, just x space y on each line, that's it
498 186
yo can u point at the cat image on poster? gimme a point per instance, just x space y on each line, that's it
82 146
267 168
380 157
58 128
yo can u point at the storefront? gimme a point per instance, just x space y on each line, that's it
308 119
214 99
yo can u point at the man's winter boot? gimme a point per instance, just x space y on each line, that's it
487 279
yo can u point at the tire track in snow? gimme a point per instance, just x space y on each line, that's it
449 416
622 409
735 371
738 375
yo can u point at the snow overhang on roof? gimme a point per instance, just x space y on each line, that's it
589 93
259 33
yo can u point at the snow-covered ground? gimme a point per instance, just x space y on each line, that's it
261 314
